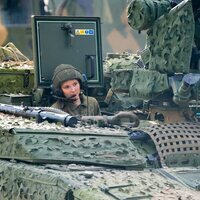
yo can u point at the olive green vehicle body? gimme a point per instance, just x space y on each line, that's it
88 162
49 161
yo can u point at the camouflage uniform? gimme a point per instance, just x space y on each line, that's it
89 105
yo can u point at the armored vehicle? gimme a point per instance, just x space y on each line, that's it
146 143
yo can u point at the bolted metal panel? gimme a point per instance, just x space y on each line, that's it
67 40
53 147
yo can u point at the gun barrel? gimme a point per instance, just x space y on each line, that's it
65 119
39 114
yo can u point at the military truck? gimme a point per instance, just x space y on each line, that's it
108 156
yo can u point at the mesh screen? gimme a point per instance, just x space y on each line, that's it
177 143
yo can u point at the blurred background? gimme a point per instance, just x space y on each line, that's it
117 36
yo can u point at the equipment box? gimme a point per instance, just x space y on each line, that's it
16 79
16 99
67 40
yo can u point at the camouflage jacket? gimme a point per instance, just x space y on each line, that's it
88 107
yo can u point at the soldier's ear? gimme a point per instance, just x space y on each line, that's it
56 92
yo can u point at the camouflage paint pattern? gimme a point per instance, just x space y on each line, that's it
66 182
169 38
129 77
146 83
64 147
143 13
16 77
171 48
52 181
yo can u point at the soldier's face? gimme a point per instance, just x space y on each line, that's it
71 89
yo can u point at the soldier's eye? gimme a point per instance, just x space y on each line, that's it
75 84
66 87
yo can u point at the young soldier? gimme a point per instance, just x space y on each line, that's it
68 85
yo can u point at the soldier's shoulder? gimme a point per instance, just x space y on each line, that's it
57 104
92 99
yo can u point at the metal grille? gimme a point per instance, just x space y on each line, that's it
177 143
